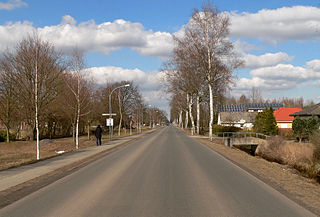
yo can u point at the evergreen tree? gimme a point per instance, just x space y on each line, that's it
266 123
299 127
312 125
270 124
258 124
304 128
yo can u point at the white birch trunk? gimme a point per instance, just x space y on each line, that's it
78 115
187 120
198 114
180 119
77 129
211 112
88 130
130 127
36 105
119 130
190 102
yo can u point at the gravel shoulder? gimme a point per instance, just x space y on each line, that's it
286 180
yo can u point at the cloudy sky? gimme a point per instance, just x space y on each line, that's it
128 40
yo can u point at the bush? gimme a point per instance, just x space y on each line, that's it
304 128
299 156
220 129
315 140
284 152
3 136
287 133
270 150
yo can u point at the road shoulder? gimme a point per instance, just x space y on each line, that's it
304 191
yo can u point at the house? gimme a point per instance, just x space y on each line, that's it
283 118
249 107
308 112
243 115
237 119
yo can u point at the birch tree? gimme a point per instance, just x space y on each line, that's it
80 88
37 68
208 30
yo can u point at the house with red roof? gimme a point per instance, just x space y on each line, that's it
283 118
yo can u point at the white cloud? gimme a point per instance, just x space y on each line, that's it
281 77
282 24
12 4
11 33
92 37
283 72
314 65
146 81
67 19
265 60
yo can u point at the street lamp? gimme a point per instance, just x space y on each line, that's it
110 115
150 115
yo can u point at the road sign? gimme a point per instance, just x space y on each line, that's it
109 122
112 114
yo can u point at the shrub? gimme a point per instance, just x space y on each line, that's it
304 128
219 129
3 136
284 152
270 150
290 135
315 140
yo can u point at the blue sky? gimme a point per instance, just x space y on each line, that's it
123 39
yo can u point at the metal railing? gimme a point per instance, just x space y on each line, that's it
241 135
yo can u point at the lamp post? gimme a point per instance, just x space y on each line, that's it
110 115
150 115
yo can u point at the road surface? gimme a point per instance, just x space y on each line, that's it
163 174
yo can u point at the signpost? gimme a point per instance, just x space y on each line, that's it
109 123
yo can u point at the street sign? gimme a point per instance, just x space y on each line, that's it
112 114
109 122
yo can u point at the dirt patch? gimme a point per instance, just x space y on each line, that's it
285 179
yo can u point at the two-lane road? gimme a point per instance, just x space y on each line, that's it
163 174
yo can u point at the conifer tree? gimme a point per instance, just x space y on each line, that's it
266 123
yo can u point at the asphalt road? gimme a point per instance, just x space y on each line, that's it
163 174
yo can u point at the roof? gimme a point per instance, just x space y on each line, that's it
309 111
232 108
283 113
246 107
236 117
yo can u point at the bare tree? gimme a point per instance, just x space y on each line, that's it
255 95
207 33
80 87
37 68
8 93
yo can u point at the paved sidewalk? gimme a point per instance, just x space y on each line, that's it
15 176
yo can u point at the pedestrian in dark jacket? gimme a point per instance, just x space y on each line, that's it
98 134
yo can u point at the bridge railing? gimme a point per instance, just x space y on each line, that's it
241 135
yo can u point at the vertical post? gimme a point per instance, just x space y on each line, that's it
110 134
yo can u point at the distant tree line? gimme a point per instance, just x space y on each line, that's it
51 95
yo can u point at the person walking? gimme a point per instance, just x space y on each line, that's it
98 134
